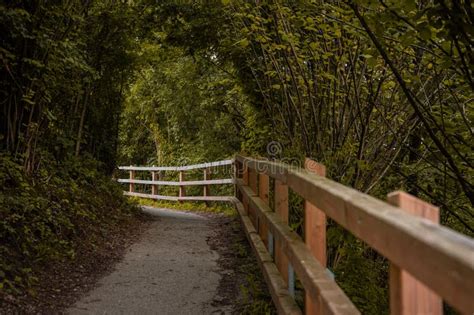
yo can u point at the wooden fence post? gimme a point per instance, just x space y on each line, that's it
263 192
314 232
253 185
132 177
182 189
237 175
245 179
154 188
281 209
407 294
206 191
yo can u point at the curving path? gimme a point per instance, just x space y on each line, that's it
171 270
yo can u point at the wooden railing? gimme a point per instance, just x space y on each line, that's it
429 263
182 183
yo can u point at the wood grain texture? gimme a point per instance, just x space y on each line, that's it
223 181
182 189
407 294
176 198
263 193
438 256
131 187
177 168
252 175
313 276
245 174
154 187
275 170
315 233
245 191
236 174
281 210
284 303
207 179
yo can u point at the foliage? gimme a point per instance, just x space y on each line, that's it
214 207
357 266
64 66
255 298
329 94
379 91
186 110
45 218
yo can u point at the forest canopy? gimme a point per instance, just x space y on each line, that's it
381 92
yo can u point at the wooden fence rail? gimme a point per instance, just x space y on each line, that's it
429 263
439 261
182 183
178 168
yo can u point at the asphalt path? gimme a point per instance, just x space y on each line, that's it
170 270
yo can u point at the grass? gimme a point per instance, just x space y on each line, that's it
197 206
255 298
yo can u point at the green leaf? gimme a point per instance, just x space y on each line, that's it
313 45
244 42
372 62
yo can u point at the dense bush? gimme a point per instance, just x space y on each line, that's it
64 69
44 218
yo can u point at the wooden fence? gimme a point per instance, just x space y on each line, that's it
402 230
182 183
429 263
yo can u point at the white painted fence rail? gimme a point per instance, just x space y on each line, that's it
175 183
184 198
177 168
155 183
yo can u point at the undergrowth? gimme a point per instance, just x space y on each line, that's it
255 298
197 206
46 217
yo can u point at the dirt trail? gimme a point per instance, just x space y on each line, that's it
171 270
